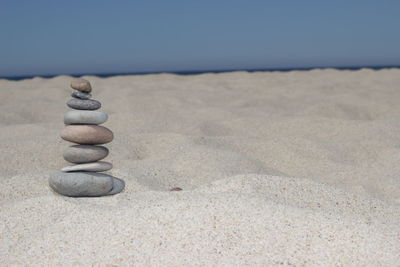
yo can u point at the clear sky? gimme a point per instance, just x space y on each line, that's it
67 37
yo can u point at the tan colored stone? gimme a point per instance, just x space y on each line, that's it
81 85
87 134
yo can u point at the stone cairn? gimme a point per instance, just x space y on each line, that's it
82 127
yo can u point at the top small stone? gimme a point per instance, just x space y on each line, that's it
81 85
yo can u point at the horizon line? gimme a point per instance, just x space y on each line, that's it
196 72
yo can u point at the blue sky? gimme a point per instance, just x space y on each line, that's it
64 37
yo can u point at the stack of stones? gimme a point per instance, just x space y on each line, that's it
82 127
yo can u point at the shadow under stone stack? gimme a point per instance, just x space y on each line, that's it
82 127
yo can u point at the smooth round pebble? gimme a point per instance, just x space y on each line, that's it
87 134
99 166
81 95
82 104
85 117
81 85
84 153
81 184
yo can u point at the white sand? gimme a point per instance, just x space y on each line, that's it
297 168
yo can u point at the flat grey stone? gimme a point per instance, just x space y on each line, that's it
81 184
85 153
81 85
118 186
98 166
82 104
85 117
81 95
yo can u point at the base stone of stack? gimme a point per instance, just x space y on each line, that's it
118 186
85 184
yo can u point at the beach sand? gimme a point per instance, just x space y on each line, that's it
295 168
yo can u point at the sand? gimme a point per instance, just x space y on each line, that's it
298 168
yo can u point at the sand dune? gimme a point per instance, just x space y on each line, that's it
296 168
